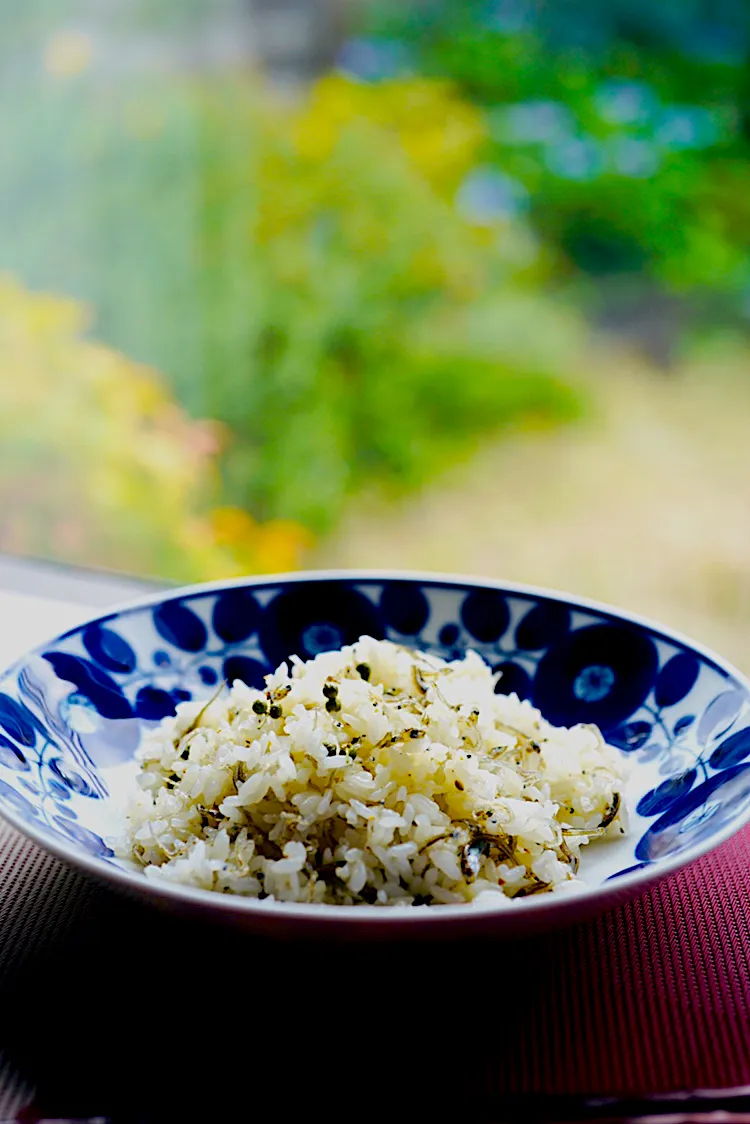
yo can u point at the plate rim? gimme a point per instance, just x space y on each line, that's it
301 913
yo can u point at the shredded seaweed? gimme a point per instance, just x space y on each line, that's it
199 716
612 811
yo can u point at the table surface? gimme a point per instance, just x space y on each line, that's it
106 1002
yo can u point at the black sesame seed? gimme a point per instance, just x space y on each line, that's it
363 670
333 705
330 690
260 707
275 711
459 786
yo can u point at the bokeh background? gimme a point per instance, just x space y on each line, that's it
450 284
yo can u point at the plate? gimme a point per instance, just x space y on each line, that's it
73 712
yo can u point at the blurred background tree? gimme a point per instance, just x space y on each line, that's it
625 123
299 272
379 245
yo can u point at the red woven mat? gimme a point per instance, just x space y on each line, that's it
653 998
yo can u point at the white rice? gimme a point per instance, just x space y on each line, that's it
373 775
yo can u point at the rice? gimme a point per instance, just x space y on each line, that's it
373 775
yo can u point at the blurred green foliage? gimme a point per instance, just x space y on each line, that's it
299 272
626 123
99 466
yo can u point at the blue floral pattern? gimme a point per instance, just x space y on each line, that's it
74 712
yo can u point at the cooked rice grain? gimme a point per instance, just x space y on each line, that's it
373 775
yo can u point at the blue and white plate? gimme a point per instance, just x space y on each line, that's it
72 714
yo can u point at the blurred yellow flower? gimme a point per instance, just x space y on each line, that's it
98 465
231 525
280 545
438 131
273 547
68 54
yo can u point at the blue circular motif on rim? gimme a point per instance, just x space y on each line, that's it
630 737
311 612
235 616
322 637
594 683
676 679
720 714
18 721
404 607
731 751
180 626
71 778
11 757
449 634
58 791
708 807
208 675
599 674
666 794
107 648
512 680
152 704
80 713
543 625
485 615
246 669
683 723
161 658
92 682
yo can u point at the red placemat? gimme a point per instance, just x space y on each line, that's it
104 1002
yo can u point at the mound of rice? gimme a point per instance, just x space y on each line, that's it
372 775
